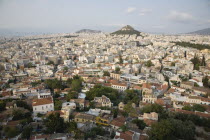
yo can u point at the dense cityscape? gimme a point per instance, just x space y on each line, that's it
93 85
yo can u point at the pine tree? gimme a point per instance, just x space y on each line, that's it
121 60
203 62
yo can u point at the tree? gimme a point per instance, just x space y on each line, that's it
196 84
197 107
35 83
95 131
26 133
117 70
115 112
190 76
106 73
123 128
149 63
139 123
130 109
30 65
192 45
120 59
152 108
54 84
173 63
18 114
187 107
99 90
65 68
182 130
203 61
185 54
69 81
99 65
205 81
2 105
131 95
58 105
10 132
76 85
72 95
71 126
50 63
196 62
54 123
23 104
161 130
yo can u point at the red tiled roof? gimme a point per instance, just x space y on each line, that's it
191 112
118 121
42 101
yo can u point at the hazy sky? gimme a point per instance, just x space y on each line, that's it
165 16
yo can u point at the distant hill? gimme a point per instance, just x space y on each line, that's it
201 32
127 30
88 31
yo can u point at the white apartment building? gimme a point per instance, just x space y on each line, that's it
43 105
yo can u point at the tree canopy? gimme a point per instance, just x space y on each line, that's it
152 108
99 90
192 45
172 129
195 107
54 123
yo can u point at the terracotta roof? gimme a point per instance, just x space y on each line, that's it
202 89
205 99
125 135
191 112
149 122
85 116
146 85
53 112
42 101
118 121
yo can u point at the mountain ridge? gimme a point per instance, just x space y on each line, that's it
126 30
205 31
88 31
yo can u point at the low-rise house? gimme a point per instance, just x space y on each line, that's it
149 118
193 100
201 90
81 103
127 135
44 94
146 88
115 76
83 118
149 98
116 123
104 119
67 109
11 105
103 101
43 105
205 101
119 86
187 85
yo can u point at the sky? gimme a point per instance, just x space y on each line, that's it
66 16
